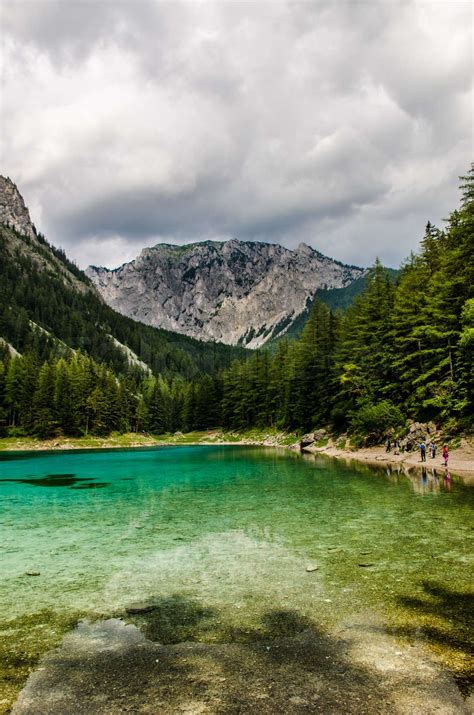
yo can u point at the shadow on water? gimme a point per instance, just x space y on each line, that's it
285 664
445 618
175 619
50 480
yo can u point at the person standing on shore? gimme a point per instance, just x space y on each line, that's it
423 451
433 450
388 445
445 455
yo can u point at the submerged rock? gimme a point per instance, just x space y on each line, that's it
33 573
312 567
140 608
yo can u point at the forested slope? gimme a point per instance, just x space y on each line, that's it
335 299
39 285
69 364
400 351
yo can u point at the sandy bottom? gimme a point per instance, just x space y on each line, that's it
109 667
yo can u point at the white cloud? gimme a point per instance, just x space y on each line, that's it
341 124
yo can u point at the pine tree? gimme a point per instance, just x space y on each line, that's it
278 385
3 411
45 422
63 398
157 409
141 415
97 404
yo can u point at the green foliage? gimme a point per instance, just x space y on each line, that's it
376 419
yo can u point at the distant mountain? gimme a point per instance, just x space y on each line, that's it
48 304
235 292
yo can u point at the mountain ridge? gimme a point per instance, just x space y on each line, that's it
235 292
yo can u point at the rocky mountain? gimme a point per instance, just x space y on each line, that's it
49 305
24 240
235 292
13 212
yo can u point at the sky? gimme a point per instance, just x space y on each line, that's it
344 125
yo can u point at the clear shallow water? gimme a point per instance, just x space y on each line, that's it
228 532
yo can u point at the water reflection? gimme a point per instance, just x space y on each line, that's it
422 480
447 481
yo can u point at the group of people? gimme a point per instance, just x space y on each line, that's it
422 447
432 448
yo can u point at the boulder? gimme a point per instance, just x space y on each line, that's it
311 437
418 432
307 440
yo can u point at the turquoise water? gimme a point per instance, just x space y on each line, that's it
233 530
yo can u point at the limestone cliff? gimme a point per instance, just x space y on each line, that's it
13 211
236 292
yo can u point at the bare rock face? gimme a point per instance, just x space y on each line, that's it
16 217
235 292
13 211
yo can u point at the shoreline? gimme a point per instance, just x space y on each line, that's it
461 459
460 463
134 440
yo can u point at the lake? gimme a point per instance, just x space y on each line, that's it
233 550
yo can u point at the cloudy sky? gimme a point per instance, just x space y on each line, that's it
341 124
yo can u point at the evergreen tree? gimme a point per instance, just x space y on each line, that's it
45 422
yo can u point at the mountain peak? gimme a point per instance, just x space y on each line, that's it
305 250
13 211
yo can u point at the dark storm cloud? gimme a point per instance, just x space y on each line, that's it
341 124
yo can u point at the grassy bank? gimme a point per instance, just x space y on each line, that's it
270 437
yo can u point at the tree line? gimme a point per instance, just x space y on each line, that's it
401 351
